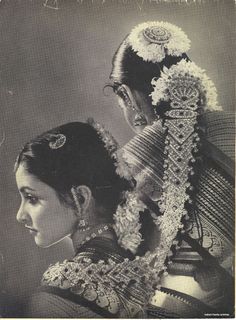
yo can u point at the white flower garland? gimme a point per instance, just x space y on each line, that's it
111 145
153 40
127 225
126 218
185 76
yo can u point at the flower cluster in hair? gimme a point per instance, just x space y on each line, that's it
185 75
112 146
127 225
153 40
126 218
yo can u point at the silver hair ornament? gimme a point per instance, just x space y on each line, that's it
58 141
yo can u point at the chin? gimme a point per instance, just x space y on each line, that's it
43 243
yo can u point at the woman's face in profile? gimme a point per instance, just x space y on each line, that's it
41 211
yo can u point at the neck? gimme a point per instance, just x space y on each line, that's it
80 237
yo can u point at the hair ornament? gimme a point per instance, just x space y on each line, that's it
153 40
127 215
57 141
111 145
127 225
189 93
187 86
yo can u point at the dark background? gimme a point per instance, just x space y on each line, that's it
53 67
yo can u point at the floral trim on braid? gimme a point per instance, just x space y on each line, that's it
126 218
185 85
127 225
122 168
188 93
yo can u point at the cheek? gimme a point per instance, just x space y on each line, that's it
39 215
127 112
60 219
129 115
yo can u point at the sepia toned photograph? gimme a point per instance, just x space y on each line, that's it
117 157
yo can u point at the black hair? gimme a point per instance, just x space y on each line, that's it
130 69
82 160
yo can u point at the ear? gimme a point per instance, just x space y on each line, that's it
126 94
84 197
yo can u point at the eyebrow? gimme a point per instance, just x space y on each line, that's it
23 189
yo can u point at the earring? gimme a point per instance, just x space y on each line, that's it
139 119
78 199
82 225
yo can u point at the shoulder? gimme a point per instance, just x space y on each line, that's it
48 305
78 281
100 286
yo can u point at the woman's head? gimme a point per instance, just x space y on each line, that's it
137 61
69 158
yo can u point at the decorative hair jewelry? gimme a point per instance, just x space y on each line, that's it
82 225
127 225
189 93
185 86
153 40
57 141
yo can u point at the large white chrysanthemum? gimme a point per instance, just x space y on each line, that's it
153 40
185 77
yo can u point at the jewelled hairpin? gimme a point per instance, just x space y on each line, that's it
58 141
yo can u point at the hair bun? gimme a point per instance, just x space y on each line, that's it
154 40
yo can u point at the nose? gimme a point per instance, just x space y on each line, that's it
22 215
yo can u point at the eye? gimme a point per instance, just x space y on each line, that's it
31 199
